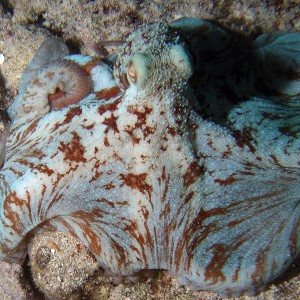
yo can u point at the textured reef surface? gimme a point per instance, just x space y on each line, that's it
181 154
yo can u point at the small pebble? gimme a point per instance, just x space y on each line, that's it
1 58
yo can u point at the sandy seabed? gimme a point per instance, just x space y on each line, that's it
25 24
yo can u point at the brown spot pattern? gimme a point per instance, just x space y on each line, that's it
137 181
13 216
192 173
227 181
72 112
109 106
141 122
73 150
107 93
111 124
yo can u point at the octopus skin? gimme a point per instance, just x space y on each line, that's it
182 156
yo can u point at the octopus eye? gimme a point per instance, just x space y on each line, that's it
131 73
181 58
138 69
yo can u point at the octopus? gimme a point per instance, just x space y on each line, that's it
180 153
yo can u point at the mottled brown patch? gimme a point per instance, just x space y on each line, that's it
92 237
210 142
226 154
163 174
247 173
166 180
108 186
109 106
135 140
134 231
189 241
11 206
192 173
103 200
72 112
141 122
36 81
90 216
107 93
89 66
96 170
15 171
286 130
29 129
37 153
227 181
213 271
25 162
244 139
171 130
222 253
275 160
258 276
44 169
235 222
235 277
73 150
148 237
137 181
186 200
111 124
189 197
106 142
84 221
88 127
57 197
43 191
121 254
141 115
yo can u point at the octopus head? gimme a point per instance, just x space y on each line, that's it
154 58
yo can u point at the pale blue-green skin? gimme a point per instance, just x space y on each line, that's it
192 168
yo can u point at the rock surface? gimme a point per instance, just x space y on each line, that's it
12 283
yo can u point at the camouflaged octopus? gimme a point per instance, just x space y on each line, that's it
182 156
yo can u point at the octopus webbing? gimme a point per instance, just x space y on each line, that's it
181 154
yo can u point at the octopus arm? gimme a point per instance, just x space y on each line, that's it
52 49
246 229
